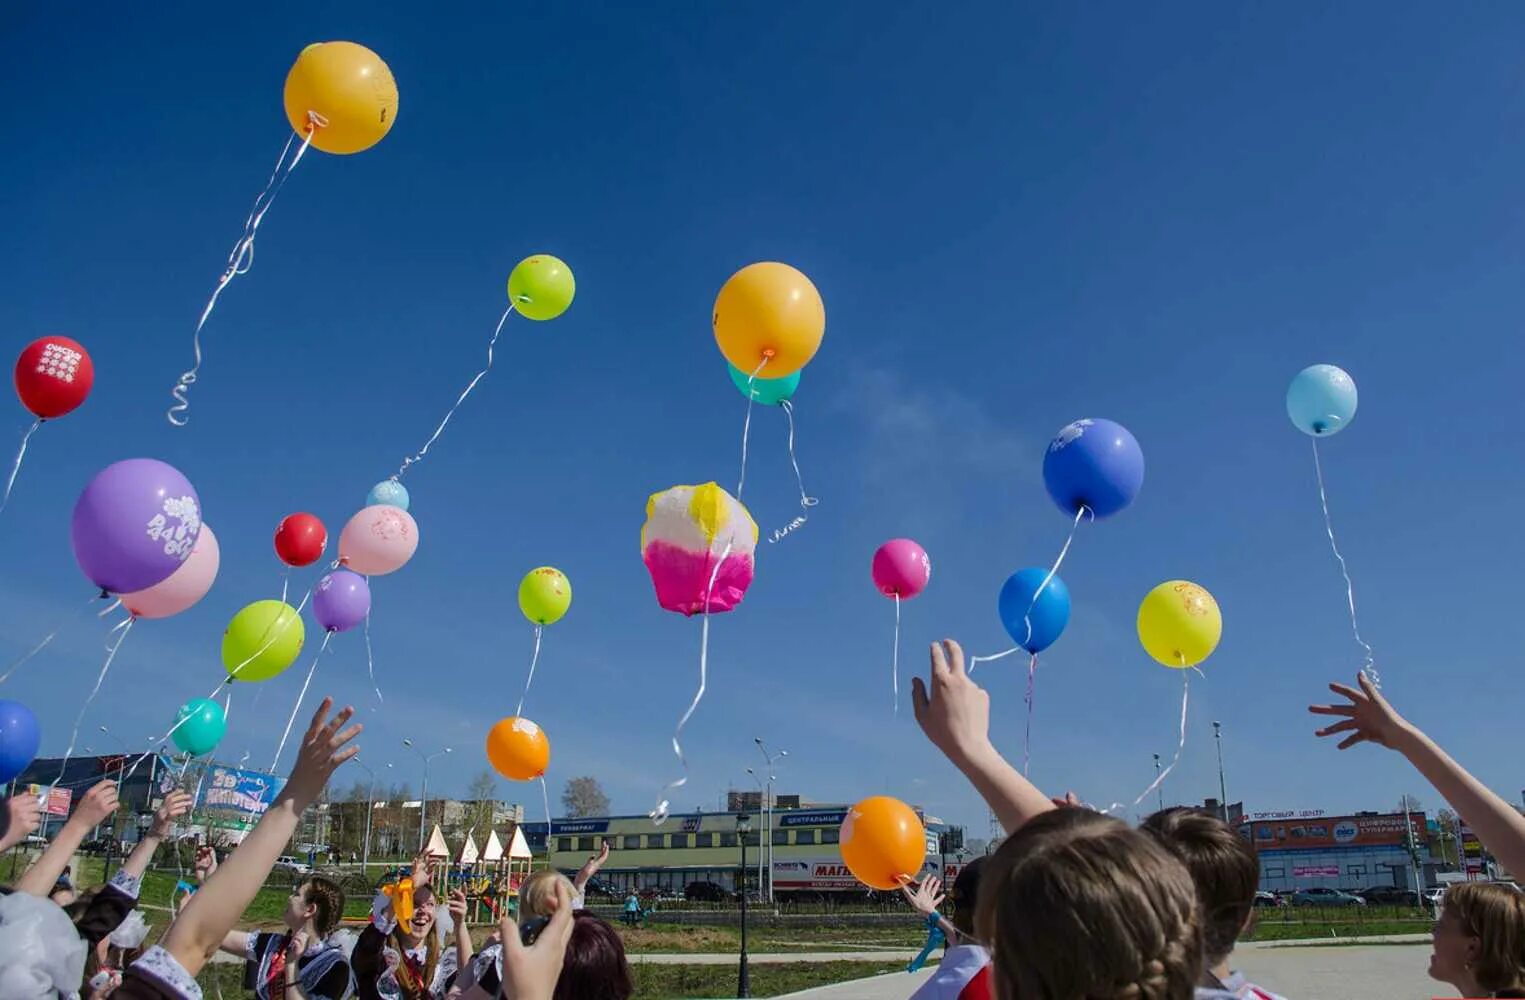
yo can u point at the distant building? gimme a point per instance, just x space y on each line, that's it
1303 849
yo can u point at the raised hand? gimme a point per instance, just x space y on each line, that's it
955 713
25 815
175 805
324 747
421 874
99 803
1368 718
531 973
595 863
457 907
206 862
925 898
296 948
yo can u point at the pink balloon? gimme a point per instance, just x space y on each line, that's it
378 540
901 568
185 586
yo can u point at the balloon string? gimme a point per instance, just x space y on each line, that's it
285 583
1027 616
746 428
327 637
240 260
459 399
120 629
27 656
806 500
16 465
895 662
659 814
534 659
1180 746
973 660
1027 735
545 800
370 659
1369 667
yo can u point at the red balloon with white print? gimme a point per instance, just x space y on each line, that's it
53 376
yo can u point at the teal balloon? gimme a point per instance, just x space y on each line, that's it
389 492
199 727
771 391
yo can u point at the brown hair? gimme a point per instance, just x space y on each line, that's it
329 900
595 967
1223 865
537 895
1495 915
1078 904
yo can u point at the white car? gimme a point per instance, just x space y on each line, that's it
291 864
1433 896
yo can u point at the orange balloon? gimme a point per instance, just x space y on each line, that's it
883 842
769 311
346 91
517 749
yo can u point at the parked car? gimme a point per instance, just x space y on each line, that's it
705 892
1320 896
1389 895
1433 895
598 888
1263 898
288 863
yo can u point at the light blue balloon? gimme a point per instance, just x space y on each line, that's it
769 391
1321 400
389 492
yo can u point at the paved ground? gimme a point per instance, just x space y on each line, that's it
776 957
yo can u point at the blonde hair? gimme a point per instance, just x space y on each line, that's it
537 895
1495 915
1076 904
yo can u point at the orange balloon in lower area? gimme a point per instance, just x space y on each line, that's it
346 91
769 312
517 749
883 842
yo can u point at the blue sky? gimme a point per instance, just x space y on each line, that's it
1017 215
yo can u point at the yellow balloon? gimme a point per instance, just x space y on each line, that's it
346 91
1179 624
769 311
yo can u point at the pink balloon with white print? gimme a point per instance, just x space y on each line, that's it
185 586
901 568
378 540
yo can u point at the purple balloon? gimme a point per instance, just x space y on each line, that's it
134 525
342 601
1095 464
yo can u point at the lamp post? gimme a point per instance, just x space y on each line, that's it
760 794
370 808
423 803
769 759
1157 785
1222 790
744 827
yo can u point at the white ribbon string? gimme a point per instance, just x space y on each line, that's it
27 656
1027 734
1370 664
120 630
327 637
806 500
1027 616
240 260
534 659
370 659
895 661
458 400
1180 746
227 706
10 483
746 429
545 800
659 814
973 660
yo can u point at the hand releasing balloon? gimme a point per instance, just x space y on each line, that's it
53 376
378 540
1179 624
541 287
1321 400
185 586
341 601
544 595
1034 630
300 539
1095 464
389 492
689 530
883 842
262 640
768 391
349 90
518 749
199 726
901 568
19 739
134 524
769 311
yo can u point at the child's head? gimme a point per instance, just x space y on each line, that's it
1223 866
318 900
1480 938
1078 904
965 896
537 895
595 963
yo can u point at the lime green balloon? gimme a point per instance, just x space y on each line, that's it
262 640
541 287
544 595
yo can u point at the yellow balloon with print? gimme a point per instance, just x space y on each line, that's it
544 595
1179 624
344 94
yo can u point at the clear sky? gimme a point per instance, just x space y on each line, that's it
1018 215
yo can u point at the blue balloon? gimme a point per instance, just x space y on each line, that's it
1321 400
1094 464
19 739
1049 614
389 492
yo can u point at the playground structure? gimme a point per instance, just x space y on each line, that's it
490 876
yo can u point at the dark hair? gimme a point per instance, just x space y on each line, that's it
1223 866
965 895
329 900
1078 904
595 967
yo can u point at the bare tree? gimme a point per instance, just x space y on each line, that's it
481 797
584 796
1409 803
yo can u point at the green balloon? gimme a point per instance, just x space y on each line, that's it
771 391
541 287
199 727
262 640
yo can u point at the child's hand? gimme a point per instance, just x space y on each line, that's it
296 949
420 870
99 803
323 749
457 907
594 864
175 805
206 862
925 898
1368 717
955 714
531 973
24 819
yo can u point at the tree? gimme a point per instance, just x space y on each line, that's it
1409 803
481 798
584 797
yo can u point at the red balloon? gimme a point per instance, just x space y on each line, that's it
300 540
53 376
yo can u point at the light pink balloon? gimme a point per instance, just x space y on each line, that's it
378 540
185 586
901 568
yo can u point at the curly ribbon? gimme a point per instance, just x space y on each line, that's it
534 659
419 456
240 260
1180 745
660 813
120 630
16 465
895 662
327 638
27 656
806 500
746 428
1369 666
1027 734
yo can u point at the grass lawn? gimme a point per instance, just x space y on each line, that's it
671 982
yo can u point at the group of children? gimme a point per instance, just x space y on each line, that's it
1073 905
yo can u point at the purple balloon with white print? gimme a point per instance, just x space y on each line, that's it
341 601
135 524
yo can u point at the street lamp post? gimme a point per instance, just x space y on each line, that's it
1157 783
743 827
769 759
760 794
370 809
1222 789
423 803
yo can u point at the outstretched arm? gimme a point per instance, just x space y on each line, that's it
590 868
955 715
175 805
1370 719
926 899
98 803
